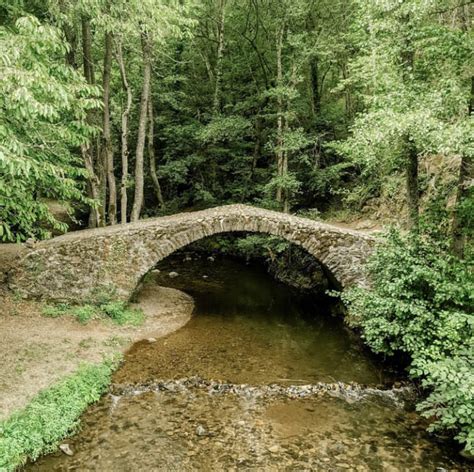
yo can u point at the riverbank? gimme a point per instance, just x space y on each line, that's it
36 351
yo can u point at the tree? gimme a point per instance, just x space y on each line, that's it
142 121
43 120
410 109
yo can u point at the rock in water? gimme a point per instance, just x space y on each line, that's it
66 448
200 431
173 274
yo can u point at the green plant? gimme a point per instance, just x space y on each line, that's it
43 115
84 313
421 303
52 415
451 401
121 314
55 311
117 311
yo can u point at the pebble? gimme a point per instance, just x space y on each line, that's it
201 431
151 340
173 274
66 448
274 449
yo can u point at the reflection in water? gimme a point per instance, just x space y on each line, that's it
250 330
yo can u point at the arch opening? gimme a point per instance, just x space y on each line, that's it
286 262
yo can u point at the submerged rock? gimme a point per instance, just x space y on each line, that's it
173 274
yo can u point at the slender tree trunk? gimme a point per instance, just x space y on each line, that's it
138 197
279 140
284 172
465 182
412 183
410 151
95 215
315 94
257 149
107 149
151 154
92 185
347 92
87 51
220 56
314 82
125 115
70 33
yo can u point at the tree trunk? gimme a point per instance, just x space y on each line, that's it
107 149
70 33
87 51
465 182
151 154
95 215
412 183
279 140
257 149
125 115
314 82
93 185
220 55
410 151
138 197
315 94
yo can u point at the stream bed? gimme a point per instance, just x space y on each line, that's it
261 378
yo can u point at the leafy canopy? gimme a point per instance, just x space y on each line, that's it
43 106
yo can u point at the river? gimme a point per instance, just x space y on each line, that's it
261 378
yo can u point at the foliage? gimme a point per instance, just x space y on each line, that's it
55 311
51 416
119 312
42 119
414 77
422 303
451 401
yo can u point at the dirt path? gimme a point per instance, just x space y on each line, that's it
36 351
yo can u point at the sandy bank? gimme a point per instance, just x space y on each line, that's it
36 351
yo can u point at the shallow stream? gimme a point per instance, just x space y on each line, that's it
261 378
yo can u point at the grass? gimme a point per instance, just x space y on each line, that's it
52 415
119 312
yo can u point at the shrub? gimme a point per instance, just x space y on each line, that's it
121 314
451 401
85 313
422 303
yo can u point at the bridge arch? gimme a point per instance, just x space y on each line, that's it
81 265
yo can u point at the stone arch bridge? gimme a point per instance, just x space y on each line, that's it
81 265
